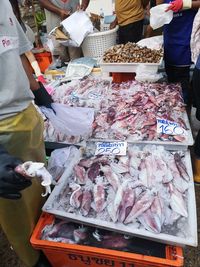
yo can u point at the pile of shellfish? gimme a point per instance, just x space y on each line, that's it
132 53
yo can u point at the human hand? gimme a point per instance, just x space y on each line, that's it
64 13
84 5
175 6
113 24
11 183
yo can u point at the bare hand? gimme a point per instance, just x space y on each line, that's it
113 24
64 14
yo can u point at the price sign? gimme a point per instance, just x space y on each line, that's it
111 148
170 127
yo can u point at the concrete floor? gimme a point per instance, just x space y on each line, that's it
8 257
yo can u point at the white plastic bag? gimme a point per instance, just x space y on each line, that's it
78 26
59 160
155 42
79 68
73 121
159 16
146 74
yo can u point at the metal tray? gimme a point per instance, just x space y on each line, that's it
191 239
169 145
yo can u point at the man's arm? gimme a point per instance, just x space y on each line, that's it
195 4
145 3
34 85
178 5
54 9
85 4
42 98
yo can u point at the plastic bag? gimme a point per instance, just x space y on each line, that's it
159 16
77 32
74 121
155 42
59 160
146 74
79 68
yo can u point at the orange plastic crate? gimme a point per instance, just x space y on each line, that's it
70 255
119 77
44 59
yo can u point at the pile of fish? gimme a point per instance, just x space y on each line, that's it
126 111
73 233
145 189
132 53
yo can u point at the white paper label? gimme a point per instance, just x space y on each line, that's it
170 127
111 148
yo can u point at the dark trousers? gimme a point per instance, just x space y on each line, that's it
180 75
196 97
196 91
131 32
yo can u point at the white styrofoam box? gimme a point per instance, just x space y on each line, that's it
190 227
96 5
127 67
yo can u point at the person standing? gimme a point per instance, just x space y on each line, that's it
129 17
195 51
56 11
177 34
21 138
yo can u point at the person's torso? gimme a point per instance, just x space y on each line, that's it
129 11
177 36
15 95
66 4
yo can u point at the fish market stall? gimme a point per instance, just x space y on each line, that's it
128 57
149 193
134 111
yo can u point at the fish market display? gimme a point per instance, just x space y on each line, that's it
31 170
87 92
133 109
126 111
52 135
73 233
147 189
132 53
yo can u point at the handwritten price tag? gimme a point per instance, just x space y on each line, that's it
111 148
170 128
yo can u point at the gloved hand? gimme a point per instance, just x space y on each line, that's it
11 183
42 98
177 5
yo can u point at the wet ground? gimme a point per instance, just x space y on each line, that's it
8 257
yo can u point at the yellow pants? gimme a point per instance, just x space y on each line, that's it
22 136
